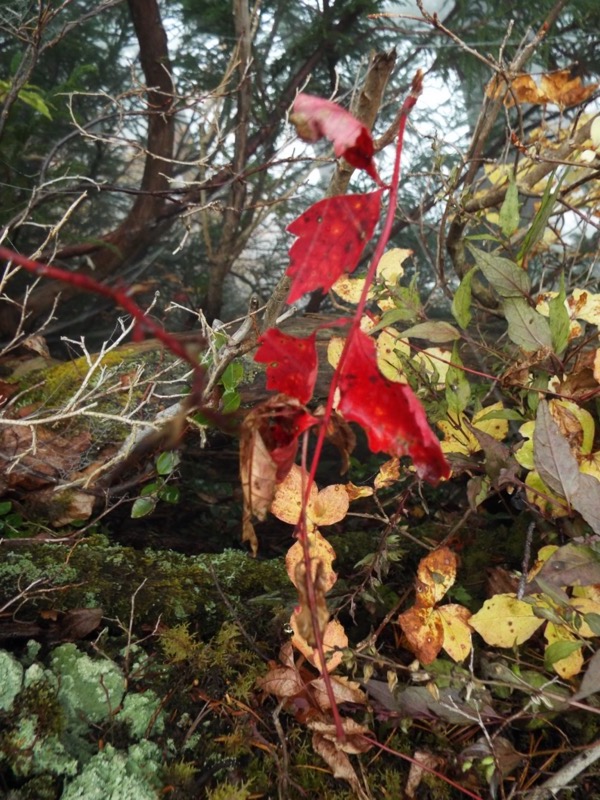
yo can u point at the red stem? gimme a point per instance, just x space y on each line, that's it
301 532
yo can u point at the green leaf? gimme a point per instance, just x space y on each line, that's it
503 413
166 462
170 494
559 650
142 507
458 388
233 375
593 620
503 275
509 211
5 507
230 401
461 303
149 489
560 323
538 225
432 331
526 328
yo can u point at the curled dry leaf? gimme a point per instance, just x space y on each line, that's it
268 446
321 552
306 617
325 507
314 118
334 638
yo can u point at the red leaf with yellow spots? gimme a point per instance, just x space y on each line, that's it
331 237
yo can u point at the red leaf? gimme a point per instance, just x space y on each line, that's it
314 118
392 417
331 237
293 363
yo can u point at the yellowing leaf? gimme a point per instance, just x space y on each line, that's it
586 306
539 495
434 361
355 492
435 575
572 663
389 473
320 551
457 633
389 345
575 424
424 632
389 270
326 507
334 639
458 438
505 621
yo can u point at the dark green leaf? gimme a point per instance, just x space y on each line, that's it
509 211
461 302
504 275
5 507
526 328
538 226
559 320
432 331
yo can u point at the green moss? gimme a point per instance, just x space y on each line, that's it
168 585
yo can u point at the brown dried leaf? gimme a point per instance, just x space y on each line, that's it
563 90
424 632
416 772
334 638
321 552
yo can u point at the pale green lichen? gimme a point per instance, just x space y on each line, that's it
89 689
142 714
11 680
112 775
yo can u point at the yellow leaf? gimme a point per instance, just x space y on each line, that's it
389 270
389 345
571 664
320 551
590 465
434 361
389 473
424 632
334 639
457 633
436 573
539 495
586 306
458 438
585 605
505 621
355 492
325 507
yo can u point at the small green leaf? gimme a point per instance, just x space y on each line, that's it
230 401
432 331
149 489
509 211
167 461
526 327
503 275
458 388
503 413
142 507
170 494
233 375
593 620
559 650
560 323
461 302
538 225
5 507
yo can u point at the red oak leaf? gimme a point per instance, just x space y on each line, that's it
314 118
292 363
392 417
331 237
